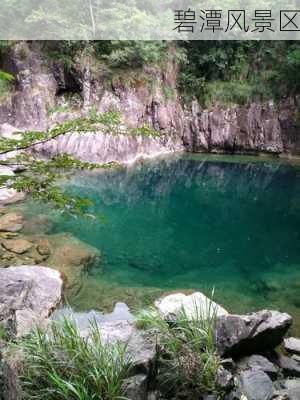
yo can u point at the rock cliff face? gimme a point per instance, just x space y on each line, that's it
47 92
253 128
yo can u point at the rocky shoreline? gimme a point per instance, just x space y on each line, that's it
258 359
21 244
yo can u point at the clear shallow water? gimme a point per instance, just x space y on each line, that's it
195 222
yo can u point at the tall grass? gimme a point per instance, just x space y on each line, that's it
61 365
188 362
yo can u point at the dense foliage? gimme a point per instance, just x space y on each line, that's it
223 71
238 71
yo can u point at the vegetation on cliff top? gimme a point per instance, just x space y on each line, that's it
240 71
211 71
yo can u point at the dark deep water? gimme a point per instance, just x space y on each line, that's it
195 222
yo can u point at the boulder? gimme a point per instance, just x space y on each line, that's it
256 385
71 256
140 345
11 222
293 388
253 333
194 305
18 246
292 345
28 295
258 362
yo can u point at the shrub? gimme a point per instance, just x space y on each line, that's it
187 361
61 365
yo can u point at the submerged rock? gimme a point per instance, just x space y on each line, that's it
11 222
194 305
18 246
71 256
39 224
43 247
28 295
251 333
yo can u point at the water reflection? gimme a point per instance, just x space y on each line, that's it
194 223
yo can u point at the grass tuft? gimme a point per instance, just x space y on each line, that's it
187 359
62 365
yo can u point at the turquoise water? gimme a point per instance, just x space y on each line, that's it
196 222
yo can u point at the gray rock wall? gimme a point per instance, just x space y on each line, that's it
149 97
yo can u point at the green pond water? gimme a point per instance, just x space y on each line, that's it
192 222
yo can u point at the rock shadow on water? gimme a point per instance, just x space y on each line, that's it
83 320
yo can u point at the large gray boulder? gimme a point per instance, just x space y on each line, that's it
252 333
257 361
256 385
140 345
117 327
292 387
28 295
194 305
